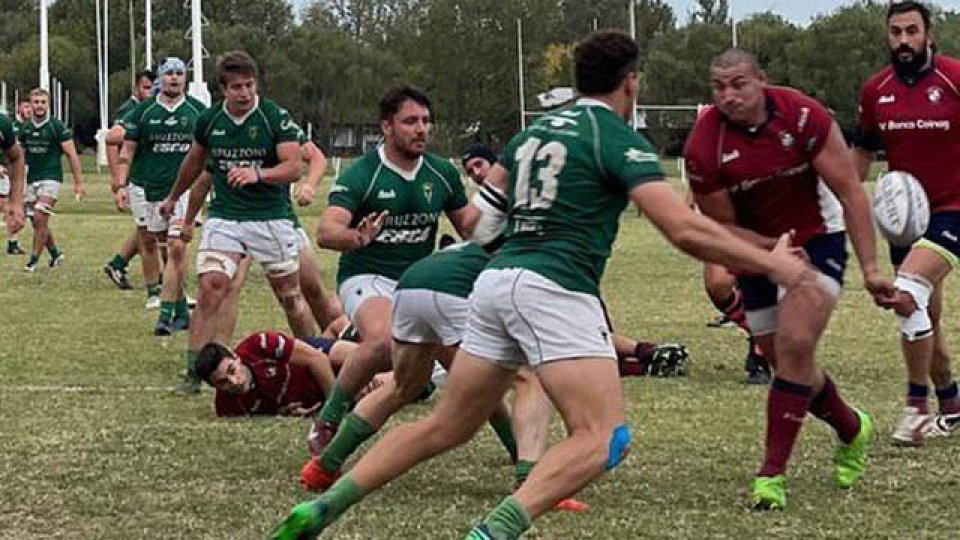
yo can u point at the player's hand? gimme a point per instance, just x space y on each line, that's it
186 231
884 293
13 215
166 208
242 176
78 190
297 409
305 195
369 227
789 270
122 199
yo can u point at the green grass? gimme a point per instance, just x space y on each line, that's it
93 448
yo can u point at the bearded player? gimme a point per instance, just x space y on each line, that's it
911 110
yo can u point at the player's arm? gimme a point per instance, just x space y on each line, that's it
490 203
190 169
287 171
113 139
17 173
70 149
718 206
198 195
316 165
316 363
122 170
862 159
335 232
837 170
709 241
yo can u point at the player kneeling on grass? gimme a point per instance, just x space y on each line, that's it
766 161
537 302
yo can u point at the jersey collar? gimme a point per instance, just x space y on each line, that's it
591 102
409 176
239 121
41 124
176 104
755 131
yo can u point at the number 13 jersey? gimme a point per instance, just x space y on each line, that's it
571 173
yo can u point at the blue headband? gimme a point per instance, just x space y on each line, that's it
172 64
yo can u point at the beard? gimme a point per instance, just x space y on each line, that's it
909 69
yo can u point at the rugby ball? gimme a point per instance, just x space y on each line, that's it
900 208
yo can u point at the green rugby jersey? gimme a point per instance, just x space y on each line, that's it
163 135
570 175
250 141
124 108
451 270
415 201
8 132
41 144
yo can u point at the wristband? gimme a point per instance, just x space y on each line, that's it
259 175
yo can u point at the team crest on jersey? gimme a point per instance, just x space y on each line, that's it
171 121
786 139
271 372
934 94
252 132
428 191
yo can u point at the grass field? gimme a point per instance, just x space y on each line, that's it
94 447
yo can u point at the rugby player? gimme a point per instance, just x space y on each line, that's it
778 157
249 144
568 178
383 216
13 154
911 110
157 136
116 268
45 139
24 112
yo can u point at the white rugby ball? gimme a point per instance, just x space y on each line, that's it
900 208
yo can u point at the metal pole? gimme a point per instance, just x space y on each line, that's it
44 48
133 45
196 24
523 111
66 107
633 19
3 96
148 35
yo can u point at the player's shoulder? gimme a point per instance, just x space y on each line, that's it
878 80
948 67
362 167
196 104
790 99
706 128
271 109
442 165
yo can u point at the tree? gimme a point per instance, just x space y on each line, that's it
711 12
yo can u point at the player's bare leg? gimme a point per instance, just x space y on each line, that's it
918 278
213 283
43 234
150 258
941 374
295 307
326 307
13 243
372 356
412 367
230 309
473 390
800 385
174 312
532 411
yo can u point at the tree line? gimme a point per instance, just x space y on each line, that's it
330 63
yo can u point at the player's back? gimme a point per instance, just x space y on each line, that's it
570 173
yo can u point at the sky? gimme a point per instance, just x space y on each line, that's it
797 11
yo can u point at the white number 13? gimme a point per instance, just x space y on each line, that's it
542 197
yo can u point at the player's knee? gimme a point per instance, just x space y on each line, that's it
213 288
618 446
279 269
291 301
796 343
212 262
42 210
917 324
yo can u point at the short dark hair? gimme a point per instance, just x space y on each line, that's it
237 62
209 358
147 73
393 99
733 56
897 8
603 60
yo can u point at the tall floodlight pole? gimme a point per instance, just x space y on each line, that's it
148 35
198 88
523 110
633 19
44 48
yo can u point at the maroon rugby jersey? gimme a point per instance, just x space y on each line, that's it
918 126
768 170
277 383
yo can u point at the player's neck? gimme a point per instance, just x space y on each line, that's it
399 159
170 100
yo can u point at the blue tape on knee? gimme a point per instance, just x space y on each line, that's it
322 344
619 446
